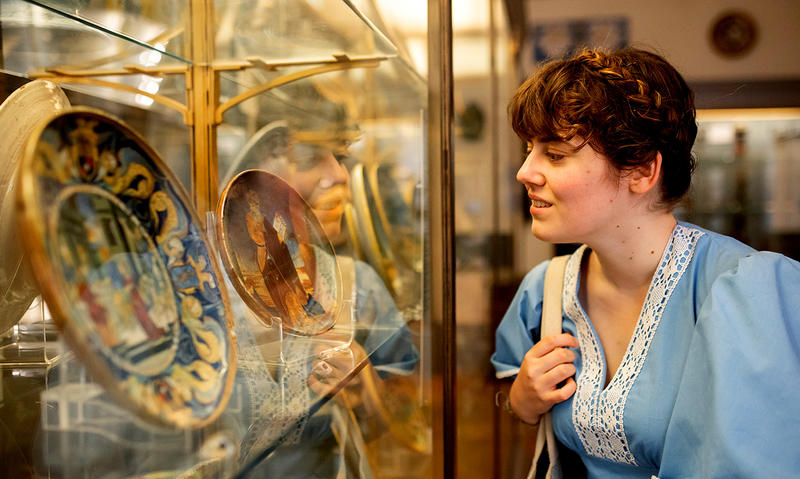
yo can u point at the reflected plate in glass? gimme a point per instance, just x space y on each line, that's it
124 265
372 236
19 115
403 231
273 249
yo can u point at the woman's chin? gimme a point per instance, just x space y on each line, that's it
333 230
543 234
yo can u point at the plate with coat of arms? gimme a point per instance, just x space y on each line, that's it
277 254
126 269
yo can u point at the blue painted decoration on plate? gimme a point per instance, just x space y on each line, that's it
125 268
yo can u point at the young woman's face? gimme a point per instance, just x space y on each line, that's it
575 193
322 181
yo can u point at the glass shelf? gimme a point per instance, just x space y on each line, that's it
295 30
84 35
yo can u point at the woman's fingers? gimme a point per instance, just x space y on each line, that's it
319 386
564 392
322 369
541 365
549 369
555 358
552 378
343 359
549 343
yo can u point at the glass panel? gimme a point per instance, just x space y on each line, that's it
408 33
293 29
105 33
346 117
351 143
70 42
745 182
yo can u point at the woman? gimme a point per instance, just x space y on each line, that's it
680 351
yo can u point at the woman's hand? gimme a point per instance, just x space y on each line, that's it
545 366
333 366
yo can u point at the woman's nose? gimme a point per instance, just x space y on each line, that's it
529 173
335 172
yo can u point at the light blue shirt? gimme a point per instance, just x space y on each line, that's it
710 383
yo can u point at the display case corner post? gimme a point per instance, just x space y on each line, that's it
442 242
203 101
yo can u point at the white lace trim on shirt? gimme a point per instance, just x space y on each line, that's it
507 373
597 413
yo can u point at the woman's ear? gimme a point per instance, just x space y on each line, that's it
643 178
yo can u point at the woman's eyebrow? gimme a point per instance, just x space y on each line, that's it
547 139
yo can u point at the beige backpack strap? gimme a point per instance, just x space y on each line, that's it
551 324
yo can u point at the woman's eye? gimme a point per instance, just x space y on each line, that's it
305 162
554 156
305 157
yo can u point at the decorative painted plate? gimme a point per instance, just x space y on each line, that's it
277 255
19 114
122 261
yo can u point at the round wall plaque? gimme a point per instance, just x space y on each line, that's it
733 34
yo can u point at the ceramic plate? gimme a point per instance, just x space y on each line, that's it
19 115
122 261
277 255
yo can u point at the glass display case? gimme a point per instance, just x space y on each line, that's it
217 243
744 181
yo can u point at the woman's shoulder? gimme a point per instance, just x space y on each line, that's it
715 249
531 288
724 254
535 276
725 266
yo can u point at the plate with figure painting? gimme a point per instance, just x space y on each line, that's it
126 269
277 255
19 115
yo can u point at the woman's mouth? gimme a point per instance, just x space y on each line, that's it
538 205
329 205
329 213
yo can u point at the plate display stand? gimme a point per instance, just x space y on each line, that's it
275 342
33 342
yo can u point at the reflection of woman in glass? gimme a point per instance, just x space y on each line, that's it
383 345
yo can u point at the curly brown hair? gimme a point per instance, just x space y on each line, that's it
627 105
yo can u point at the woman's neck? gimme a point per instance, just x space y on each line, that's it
628 254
